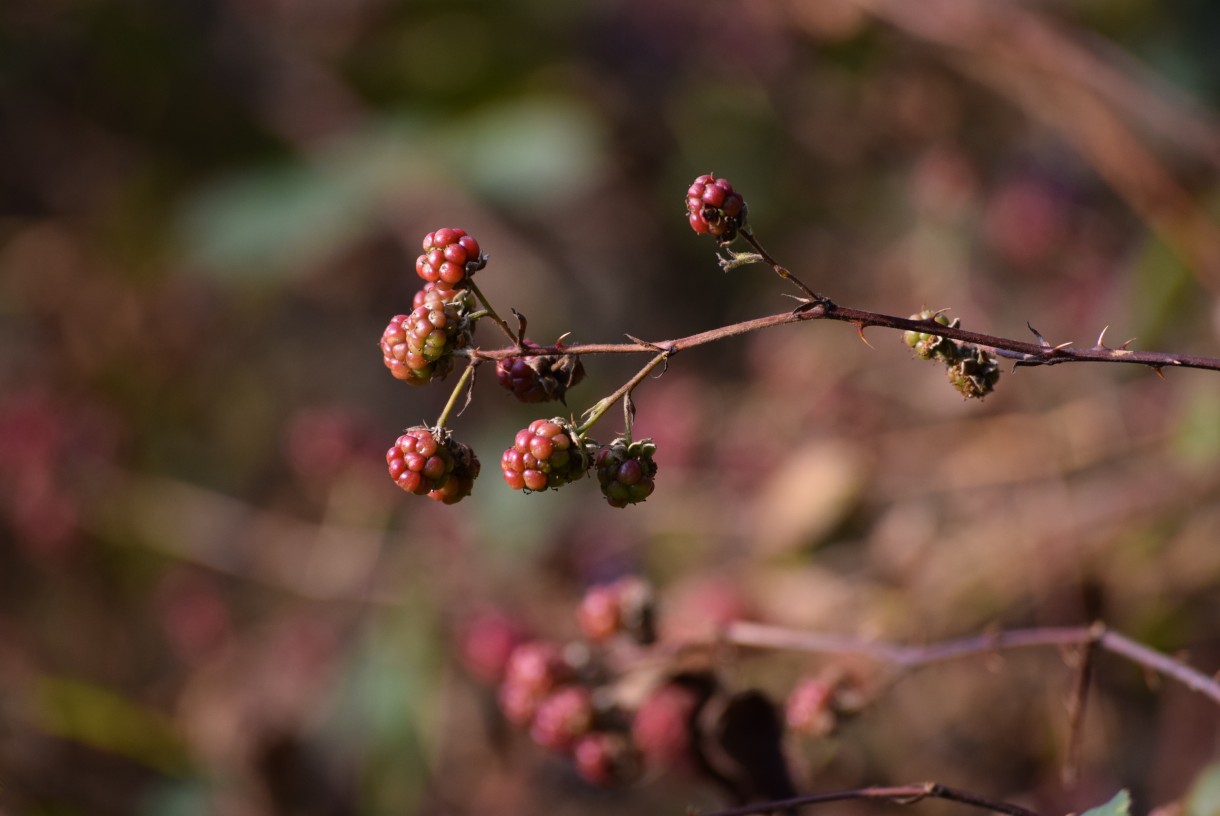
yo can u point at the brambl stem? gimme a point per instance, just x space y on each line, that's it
900 795
779 268
491 312
1022 352
763 636
597 411
462 382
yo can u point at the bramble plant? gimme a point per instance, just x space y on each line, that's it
578 699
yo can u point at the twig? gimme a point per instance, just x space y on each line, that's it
1023 352
595 413
744 633
901 795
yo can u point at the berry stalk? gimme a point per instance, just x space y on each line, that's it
598 411
462 382
491 312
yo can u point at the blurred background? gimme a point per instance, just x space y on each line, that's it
213 599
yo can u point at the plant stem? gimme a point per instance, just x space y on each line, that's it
595 413
462 382
744 633
780 270
1024 353
901 795
491 312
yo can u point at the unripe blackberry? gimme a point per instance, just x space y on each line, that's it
546 454
714 208
418 462
975 373
437 290
487 642
416 347
663 726
533 670
625 471
541 377
625 606
928 346
562 718
450 256
466 469
605 759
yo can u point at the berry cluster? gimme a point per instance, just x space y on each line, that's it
973 371
450 257
547 454
625 471
539 377
713 208
417 348
572 700
430 462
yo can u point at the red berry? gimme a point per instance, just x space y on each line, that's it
625 471
600 613
663 725
416 347
606 759
562 717
546 454
713 208
537 665
418 463
466 469
540 377
487 642
450 256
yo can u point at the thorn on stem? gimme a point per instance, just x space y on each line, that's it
1157 370
1101 338
860 334
1041 340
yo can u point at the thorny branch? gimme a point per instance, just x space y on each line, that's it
1023 353
900 795
905 657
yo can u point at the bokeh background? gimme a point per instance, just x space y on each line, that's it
212 598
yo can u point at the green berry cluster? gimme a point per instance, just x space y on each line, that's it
973 371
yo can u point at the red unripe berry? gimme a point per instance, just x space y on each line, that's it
450 256
600 613
663 725
487 642
606 759
418 463
714 208
546 454
562 717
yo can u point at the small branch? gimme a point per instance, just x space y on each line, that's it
595 413
901 795
780 270
462 382
1023 352
1076 708
491 312
744 633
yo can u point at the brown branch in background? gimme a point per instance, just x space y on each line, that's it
900 795
757 635
1076 708
1022 352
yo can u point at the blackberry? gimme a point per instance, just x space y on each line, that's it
625 471
416 347
466 469
714 208
418 462
450 256
626 606
562 717
539 377
975 372
929 346
546 454
606 758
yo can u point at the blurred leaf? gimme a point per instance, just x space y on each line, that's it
1198 434
524 153
104 720
273 221
1204 796
1120 805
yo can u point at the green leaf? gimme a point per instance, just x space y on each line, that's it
1120 805
1204 796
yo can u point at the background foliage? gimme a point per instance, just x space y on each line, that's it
212 599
